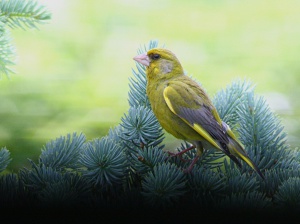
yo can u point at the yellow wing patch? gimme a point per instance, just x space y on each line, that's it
205 135
248 161
231 134
216 116
167 90
170 91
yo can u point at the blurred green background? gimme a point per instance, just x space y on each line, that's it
72 74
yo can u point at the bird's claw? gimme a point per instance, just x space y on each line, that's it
172 154
189 169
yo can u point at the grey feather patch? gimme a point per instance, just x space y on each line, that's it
166 67
206 120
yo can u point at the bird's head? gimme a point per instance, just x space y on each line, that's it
160 63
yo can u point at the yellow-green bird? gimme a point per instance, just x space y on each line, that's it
184 109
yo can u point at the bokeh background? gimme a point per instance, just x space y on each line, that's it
72 74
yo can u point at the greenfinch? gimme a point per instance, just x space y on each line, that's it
184 110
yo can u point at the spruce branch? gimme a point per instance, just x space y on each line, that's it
137 88
23 13
288 195
164 185
14 193
262 133
206 184
275 178
141 126
39 176
69 189
145 160
4 158
63 152
248 201
241 184
51 187
17 14
7 53
227 101
104 162
259 125
237 182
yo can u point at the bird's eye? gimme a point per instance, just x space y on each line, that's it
155 56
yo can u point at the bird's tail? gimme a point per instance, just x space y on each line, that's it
237 150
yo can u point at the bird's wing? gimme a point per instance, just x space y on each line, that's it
193 107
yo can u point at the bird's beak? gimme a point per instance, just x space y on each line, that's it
142 59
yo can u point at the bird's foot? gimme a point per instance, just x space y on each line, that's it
181 153
189 169
172 154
